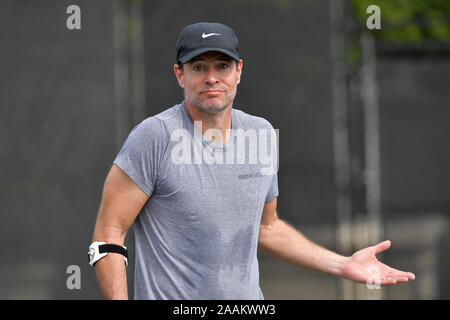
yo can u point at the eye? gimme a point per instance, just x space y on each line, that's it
198 68
224 66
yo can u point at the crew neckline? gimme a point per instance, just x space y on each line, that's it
205 140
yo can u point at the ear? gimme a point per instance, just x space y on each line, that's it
179 74
239 72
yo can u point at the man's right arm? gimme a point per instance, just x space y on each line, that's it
122 200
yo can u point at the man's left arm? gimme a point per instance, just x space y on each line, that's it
282 241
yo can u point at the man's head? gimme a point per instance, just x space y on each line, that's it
208 66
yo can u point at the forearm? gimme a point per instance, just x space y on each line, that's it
284 242
111 270
112 277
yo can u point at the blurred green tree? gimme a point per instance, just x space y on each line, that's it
408 25
409 20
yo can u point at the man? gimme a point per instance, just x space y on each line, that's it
198 224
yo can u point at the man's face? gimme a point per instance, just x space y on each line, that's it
210 81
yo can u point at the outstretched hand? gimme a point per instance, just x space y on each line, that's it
364 267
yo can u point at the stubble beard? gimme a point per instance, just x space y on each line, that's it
210 107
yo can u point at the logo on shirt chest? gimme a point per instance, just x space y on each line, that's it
250 175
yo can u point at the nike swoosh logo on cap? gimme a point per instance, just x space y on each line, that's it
209 35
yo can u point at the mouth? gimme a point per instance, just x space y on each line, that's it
212 92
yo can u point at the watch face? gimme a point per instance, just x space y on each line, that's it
91 253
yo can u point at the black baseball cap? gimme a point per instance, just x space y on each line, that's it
201 37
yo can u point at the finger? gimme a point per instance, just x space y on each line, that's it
407 275
395 278
402 274
382 246
386 281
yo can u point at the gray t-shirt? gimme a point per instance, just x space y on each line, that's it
197 235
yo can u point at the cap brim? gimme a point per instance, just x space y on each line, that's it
186 58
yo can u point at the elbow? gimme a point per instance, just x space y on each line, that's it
109 234
266 232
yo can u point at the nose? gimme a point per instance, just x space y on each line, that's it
211 77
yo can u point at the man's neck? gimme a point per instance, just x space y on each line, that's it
204 121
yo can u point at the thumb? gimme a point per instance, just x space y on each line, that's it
382 246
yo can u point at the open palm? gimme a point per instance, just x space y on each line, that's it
364 267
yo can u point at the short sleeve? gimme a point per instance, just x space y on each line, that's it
273 168
273 189
142 152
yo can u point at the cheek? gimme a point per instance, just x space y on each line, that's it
192 85
191 90
232 83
